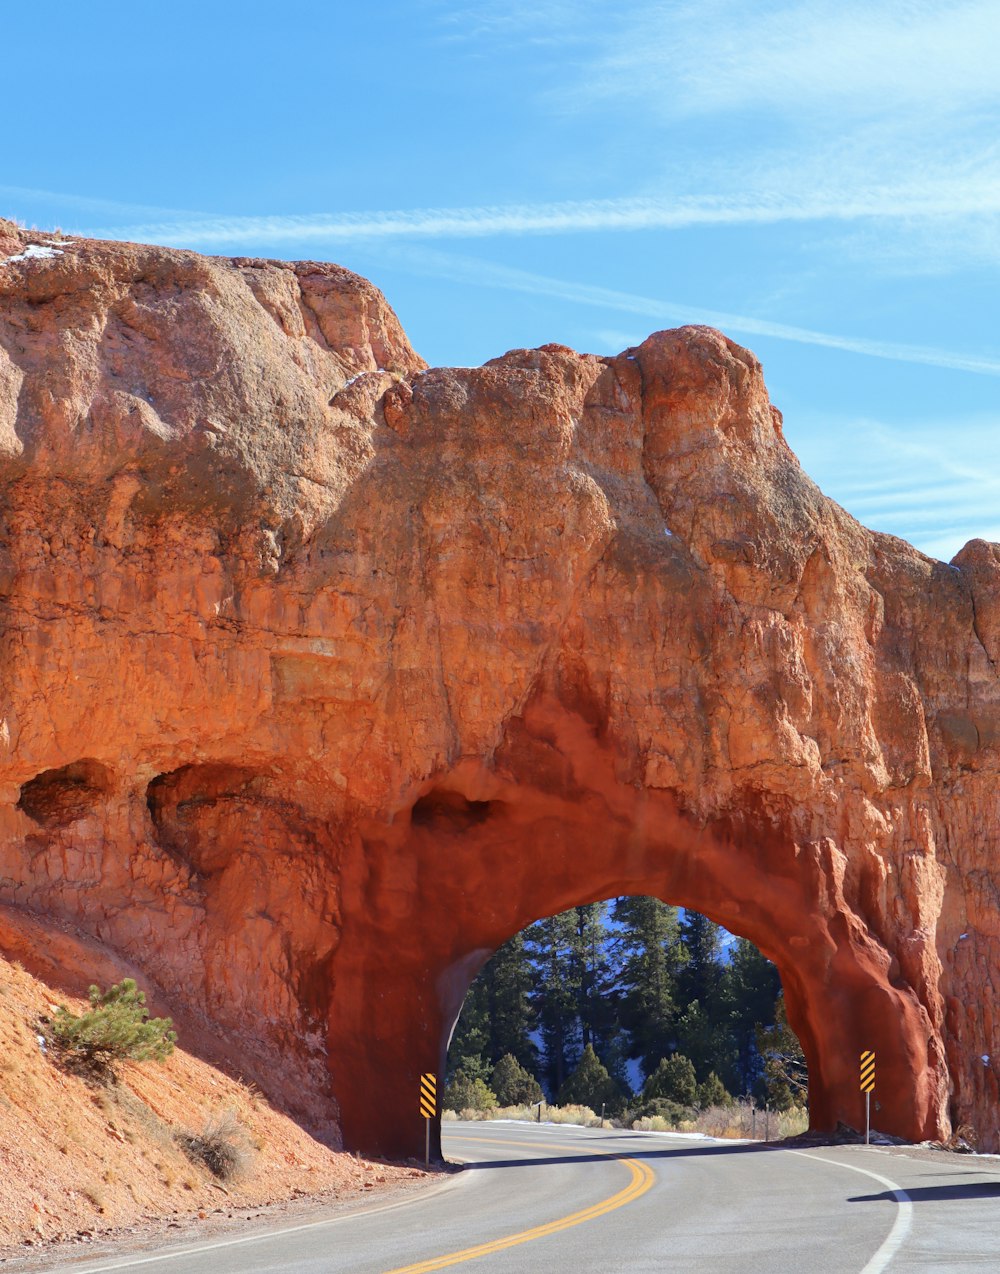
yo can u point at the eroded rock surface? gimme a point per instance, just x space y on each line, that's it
324 673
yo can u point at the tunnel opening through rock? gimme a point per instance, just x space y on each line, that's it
652 1015
59 797
454 891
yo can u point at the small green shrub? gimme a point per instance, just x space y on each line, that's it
673 1080
671 1113
116 1028
591 1085
464 1093
712 1092
513 1085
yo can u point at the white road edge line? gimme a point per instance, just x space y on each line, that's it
127 1263
904 1212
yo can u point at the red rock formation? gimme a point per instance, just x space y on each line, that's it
325 673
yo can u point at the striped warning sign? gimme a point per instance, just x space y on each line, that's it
868 1071
428 1095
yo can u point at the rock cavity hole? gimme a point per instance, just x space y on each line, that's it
56 798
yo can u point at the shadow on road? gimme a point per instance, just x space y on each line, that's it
631 1152
934 1194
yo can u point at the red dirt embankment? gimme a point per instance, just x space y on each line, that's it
78 1160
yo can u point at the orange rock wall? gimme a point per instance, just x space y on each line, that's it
324 673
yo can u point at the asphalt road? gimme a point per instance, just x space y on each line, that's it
538 1198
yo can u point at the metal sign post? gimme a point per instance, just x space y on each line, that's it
428 1108
867 1076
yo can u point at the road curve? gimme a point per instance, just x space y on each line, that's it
538 1197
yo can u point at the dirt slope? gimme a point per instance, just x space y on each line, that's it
77 1160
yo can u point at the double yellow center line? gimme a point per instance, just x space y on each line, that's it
641 1179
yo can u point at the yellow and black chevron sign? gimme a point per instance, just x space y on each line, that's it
428 1095
868 1071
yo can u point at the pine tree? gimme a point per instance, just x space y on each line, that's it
469 1048
552 947
646 954
785 1081
706 1038
511 1020
117 1027
590 971
704 1027
700 975
496 1016
599 995
754 989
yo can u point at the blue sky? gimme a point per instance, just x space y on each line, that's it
821 180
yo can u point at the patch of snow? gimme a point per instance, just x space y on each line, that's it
379 371
961 936
59 243
41 1042
667 532
693 1136
986 1059
973 1154
36 252
530 1123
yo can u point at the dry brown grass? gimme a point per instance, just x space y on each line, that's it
733 1122
95 1196
223 1146
580 1115
727 1122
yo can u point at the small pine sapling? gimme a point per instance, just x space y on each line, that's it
116 1028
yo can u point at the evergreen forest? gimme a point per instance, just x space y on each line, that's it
629 1004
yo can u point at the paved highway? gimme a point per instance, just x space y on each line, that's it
538 1198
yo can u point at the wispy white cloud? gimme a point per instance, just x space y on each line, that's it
941 483
69 202
803 56
553 22
609 340
929 248
810 102
487 274
631 214
979 194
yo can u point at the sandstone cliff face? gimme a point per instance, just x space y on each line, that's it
324 673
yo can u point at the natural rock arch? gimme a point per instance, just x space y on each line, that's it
325 673
539 852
